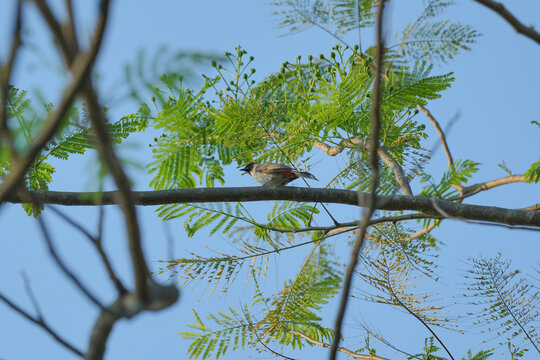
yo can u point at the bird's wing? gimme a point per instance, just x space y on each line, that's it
273 168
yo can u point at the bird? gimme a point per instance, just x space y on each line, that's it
271 174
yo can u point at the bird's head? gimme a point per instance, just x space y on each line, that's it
248 167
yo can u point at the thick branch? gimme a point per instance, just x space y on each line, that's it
259 193
521 28
381 151
127 306
341 349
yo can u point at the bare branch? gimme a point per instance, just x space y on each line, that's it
381 151
31 296
70 30
73 223
5 74
56 29
127 203
259 193
518 26
375 129
127 306
476 188
341 349
43 324
426 325
532 207
96 241
355 223
440 132
422 231
114 166
270 349
104 147
80 68
63 266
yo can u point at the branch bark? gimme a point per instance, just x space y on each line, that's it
80 69
43 324
388 160
127 306
521 28
440 132
476 188
258 193
341 349
364 224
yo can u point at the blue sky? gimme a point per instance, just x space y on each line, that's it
495 96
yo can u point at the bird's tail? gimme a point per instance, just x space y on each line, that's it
305 174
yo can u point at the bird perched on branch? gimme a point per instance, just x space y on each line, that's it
275 174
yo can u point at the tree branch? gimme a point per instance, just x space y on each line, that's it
356 222
96 241
104 145
441 134
127 306
80 68
381 151
518 26
259 193
63 266
476 188
5 74
341 349
375 130
43 324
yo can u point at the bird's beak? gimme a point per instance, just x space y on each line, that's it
245 169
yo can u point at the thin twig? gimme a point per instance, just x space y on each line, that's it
96 241
114 166
521 28
127 203
355 223
341 349
31 296
63 267
422 231
71 31
270 349
104 147
43 324
56 29
375 128
73 223
476 188
441 134
80 68
417 318
388 160
5 75
99 245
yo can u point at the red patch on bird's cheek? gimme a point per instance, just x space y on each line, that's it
290 175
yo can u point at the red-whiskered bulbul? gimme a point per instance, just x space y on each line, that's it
275 174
